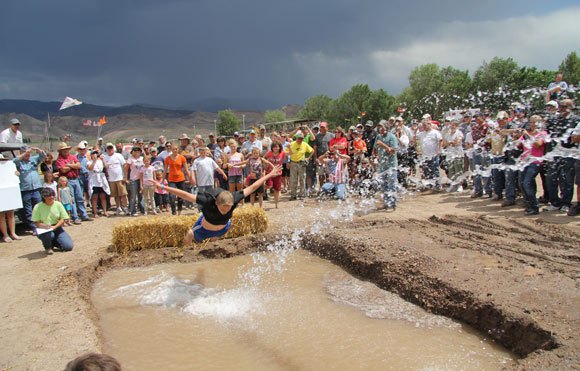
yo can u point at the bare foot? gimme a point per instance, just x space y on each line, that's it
16 238
7 239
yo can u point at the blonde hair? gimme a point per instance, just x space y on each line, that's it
232 142
536 118
225 198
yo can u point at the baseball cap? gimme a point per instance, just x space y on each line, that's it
262 127
552 103
252 131
211 135
502 115
369 123
109 145
399 118
136 149
426 116
100 139
82 145
15 122
299 134
236 134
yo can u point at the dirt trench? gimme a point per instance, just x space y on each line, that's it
515 280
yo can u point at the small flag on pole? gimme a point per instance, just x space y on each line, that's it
88 123
69 102
103 120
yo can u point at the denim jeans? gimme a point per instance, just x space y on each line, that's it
528 186
57 238
135 197
29 199
431 170
560 174
479 164
172 198
389 178
339 190
78 199
503 178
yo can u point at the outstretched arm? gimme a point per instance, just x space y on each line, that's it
277 170
177 192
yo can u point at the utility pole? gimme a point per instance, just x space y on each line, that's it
243 122
215 127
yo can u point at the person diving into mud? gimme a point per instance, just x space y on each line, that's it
217 207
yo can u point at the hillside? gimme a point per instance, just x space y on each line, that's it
122 122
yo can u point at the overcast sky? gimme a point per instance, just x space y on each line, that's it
174 52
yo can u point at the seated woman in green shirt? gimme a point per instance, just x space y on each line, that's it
49 216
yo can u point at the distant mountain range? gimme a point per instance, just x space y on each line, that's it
123 123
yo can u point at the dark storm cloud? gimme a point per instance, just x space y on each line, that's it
174 52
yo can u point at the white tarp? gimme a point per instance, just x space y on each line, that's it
10 198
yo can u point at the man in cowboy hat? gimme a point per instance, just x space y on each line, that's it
69 166
184 141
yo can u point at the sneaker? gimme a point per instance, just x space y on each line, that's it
77 221
507 203
497 198
551 208
531 212
574 210
476 195
119 212
88 219
460 189
145 213
49 251
564 209
134 214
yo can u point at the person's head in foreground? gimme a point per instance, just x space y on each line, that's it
93 362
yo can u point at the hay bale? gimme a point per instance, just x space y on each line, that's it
166 231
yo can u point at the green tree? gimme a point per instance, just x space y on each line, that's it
350 104
274 116
316 108
495 74
379 105
570 67
228 122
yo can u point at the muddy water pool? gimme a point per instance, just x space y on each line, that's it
282 310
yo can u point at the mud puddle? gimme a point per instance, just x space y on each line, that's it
283 310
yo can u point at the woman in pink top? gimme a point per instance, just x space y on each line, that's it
533 143
235 174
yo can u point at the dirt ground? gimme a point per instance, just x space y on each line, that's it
514 278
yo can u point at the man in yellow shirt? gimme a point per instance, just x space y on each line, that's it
299 153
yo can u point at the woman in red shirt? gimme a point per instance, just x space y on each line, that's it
176 172
276 157
339 142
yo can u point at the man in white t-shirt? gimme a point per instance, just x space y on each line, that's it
115 162
430 140
202 171
12 134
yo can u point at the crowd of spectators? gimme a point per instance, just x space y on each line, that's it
497 155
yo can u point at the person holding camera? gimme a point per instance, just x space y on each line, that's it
299 153
98 184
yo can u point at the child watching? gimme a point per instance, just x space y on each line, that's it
49 181
65 196
161 194
255 171
146 174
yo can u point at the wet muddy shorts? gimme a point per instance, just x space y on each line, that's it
200 233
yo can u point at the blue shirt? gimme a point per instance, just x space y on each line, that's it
29 178
83 160
387 160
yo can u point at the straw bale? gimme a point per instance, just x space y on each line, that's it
155 232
